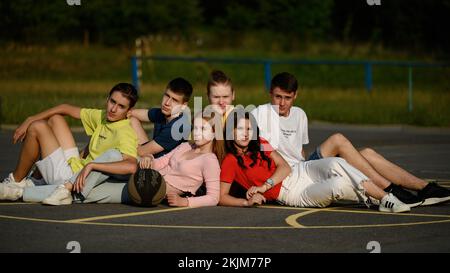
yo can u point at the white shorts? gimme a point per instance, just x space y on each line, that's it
318 183
54 167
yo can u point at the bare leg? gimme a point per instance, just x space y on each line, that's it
141 134
62 132
392 172
39 140
372 190
63 135
339 145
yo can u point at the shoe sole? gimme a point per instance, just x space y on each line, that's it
413 205
8 196
67 201
405 209
433 201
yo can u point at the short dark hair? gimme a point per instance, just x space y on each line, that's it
285 81
181 86
127 90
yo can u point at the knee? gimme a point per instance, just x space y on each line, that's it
368 152
335 144
37 126
339 139
55 119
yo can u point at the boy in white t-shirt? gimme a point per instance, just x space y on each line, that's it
286 128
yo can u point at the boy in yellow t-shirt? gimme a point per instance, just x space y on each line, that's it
112 147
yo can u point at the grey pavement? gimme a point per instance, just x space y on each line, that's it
343 227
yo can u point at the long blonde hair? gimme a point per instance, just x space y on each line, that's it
218 145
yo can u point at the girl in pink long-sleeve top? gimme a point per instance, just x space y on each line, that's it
190 165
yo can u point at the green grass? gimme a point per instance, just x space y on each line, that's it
35 78
387 106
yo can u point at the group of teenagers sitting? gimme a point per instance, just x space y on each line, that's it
223 155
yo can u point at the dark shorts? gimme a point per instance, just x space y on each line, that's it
315 155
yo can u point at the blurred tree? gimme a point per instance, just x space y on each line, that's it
417 24
412 24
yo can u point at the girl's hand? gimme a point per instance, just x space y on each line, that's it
257 199
253 190
176 201
21 131
146 162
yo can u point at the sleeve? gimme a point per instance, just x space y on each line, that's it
128 142
153 114
161 164
211 176
228 169
91 119
166 140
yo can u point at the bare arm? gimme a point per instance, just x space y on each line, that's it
150 148
127 166
283 168
303 153
282 171
62 109
227 200
140 114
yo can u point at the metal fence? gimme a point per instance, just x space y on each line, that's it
367 65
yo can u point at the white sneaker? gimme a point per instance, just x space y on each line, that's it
390 203
370 201
61 196
26 182
10 191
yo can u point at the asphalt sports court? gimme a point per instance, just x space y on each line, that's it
341 228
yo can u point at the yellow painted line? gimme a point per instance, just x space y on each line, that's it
12 204
391 213
131 214
31 219
378 225
185 227
338 209
138 225
221 227
293 219
289 220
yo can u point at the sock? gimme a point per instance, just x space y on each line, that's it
389 188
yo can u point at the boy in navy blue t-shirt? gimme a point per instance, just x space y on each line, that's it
168 131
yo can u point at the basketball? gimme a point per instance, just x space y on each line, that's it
146 188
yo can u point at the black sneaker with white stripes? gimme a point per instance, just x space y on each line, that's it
403 195
434 194
390 203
